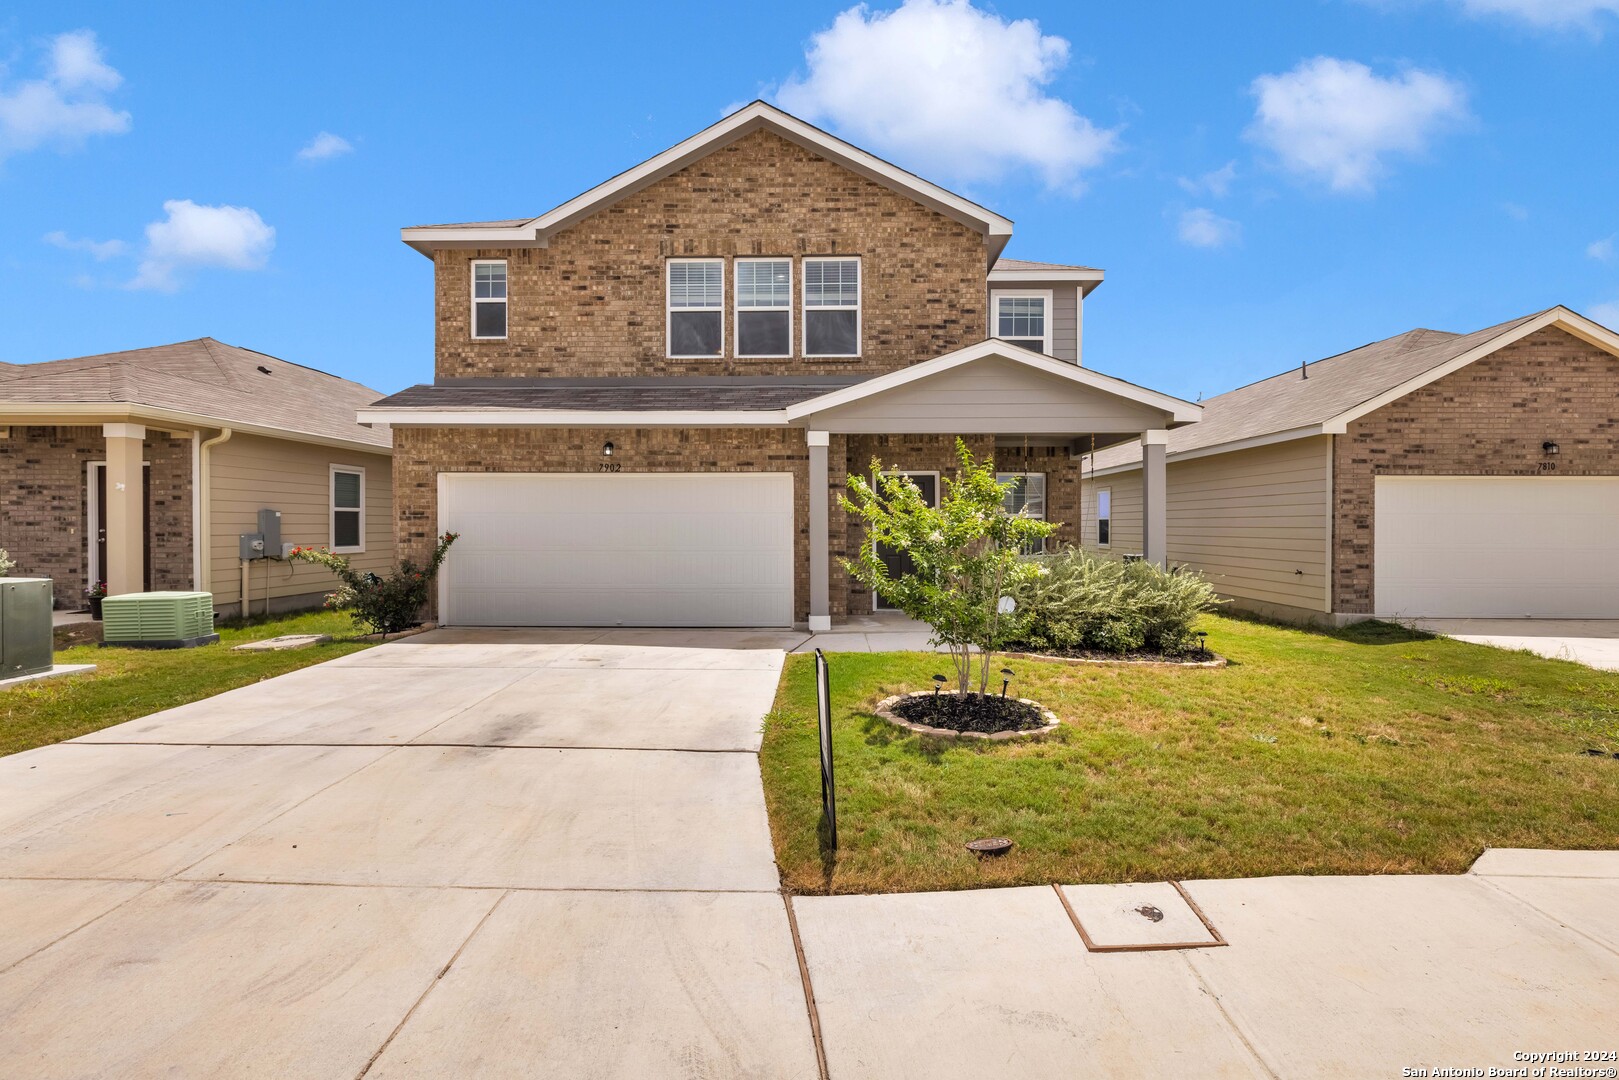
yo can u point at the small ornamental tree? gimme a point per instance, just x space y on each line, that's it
966 556
387 605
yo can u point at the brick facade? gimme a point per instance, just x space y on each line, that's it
44 511
592 303
1490 418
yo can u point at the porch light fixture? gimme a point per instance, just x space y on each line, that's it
607 449
1549 447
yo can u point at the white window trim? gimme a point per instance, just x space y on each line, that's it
995 297
858 308
938 495
1107 491
332 508
669 310
738 309
472 293
1036 546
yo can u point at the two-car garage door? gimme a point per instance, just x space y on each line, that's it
1497 546
618 549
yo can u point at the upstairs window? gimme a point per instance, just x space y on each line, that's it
831 307
696 308
1104 517
1027 497
348 509
764 307
1024 319
489 299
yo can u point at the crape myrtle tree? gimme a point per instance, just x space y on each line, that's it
966 556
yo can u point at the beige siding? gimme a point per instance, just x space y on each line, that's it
1254 521
1124 533
249 473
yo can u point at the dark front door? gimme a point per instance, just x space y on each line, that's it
898 562
98 572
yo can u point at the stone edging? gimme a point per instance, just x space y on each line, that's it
1217 662
885 709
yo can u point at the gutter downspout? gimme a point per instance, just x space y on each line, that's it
203 508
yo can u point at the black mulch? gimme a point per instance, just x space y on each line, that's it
986 714
1197 656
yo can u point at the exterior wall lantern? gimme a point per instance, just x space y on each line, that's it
1549 448
607 449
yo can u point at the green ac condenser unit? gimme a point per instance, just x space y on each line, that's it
158 620
25 626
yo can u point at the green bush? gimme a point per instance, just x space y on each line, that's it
1079 602
385 604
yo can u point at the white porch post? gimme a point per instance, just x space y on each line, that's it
126 508
1154 497
820 539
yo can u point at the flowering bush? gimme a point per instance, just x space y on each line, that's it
387 605
1083 603
6 563
96 591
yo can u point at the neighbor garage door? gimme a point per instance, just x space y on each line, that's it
618 549
1495 546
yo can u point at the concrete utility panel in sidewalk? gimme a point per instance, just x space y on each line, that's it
523 818
208 979
997 983
620 985
1143 914
1360 976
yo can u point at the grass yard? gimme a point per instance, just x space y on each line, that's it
134 682
1366 750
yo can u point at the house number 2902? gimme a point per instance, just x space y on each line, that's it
609 466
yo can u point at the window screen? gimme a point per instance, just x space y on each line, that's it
348 509
1022 321
488 299
764 302
696 307
832 307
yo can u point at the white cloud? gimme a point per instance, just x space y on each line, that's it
100 250
1607 314
1601 250
325 145
1216 183
67 105
1515 211
1335 121
950 90
1549 14
1201 227
233 237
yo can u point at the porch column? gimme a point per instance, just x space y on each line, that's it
820 539
126 508
1154 497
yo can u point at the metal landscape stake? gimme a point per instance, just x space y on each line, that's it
823 715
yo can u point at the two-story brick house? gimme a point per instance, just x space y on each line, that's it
646 401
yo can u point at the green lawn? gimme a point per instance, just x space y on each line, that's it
134 682
1368 750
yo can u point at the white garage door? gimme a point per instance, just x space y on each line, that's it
1497 547
619 549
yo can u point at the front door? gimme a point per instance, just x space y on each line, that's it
98 501
898 562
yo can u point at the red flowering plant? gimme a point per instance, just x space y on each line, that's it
385 604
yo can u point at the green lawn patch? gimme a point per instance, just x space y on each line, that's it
128 683
1367 750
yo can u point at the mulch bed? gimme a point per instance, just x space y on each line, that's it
1200 658
967 716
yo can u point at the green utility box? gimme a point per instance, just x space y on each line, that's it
25 626
158 620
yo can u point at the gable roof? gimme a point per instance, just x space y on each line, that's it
1345 387
202 382
756 116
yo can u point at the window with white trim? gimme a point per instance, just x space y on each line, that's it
1027 497
1104 516
696 311
831 307
348 509
764 307
1024 318
489 299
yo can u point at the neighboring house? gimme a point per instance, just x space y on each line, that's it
1431 474
646 400
142 469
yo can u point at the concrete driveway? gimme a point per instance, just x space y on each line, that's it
1592 642
515 854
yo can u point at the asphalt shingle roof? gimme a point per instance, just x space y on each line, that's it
716 394
205 377
1025 264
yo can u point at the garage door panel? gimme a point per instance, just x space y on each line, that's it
667 549
1493 547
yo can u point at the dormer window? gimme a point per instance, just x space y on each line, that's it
831 307
696 311
489 299
764 307
1024 318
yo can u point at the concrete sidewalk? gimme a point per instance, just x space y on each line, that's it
1592 642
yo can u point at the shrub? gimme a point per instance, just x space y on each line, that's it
965 556
6 563
1086 603
387 605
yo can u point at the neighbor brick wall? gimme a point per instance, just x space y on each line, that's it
44 514
592 303
1487 419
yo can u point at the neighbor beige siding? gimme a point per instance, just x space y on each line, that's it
249 473
1124 533
1256 522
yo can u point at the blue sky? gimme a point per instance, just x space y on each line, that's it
1264 183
